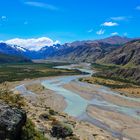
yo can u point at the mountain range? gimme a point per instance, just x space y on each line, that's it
90 50
86 51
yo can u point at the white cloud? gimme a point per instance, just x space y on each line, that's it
90 31
109 24
33 43
120 18
41 5
114 33
100 32
138 7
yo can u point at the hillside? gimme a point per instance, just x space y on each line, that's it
128 60
129 54
5 58
88 51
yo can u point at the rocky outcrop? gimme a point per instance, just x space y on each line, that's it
11 122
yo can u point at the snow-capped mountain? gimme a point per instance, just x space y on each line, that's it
43 53
89 50
11 49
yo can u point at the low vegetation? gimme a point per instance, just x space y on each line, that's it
104 77
61 130
21 71
29 132
11 99
101 67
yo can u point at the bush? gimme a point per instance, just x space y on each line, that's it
52 112
45 116
30 133
61 130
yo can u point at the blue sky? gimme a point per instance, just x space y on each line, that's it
69 20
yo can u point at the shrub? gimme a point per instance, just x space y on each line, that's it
52 112
61 130
45 116
30 133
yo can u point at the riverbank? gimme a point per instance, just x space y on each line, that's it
44 101
124 86
85 101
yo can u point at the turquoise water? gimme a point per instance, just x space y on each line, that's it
76 105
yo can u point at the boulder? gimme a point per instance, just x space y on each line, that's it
11 122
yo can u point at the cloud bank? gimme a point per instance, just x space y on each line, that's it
33 43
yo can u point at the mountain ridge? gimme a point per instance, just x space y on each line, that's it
90 50
128 54
85 51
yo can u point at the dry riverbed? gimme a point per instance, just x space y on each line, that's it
45 101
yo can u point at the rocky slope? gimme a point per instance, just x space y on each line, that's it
128 58
129 54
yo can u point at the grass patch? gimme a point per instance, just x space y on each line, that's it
115 78
102 67
120 86
106 82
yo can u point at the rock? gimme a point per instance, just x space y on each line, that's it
11 122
